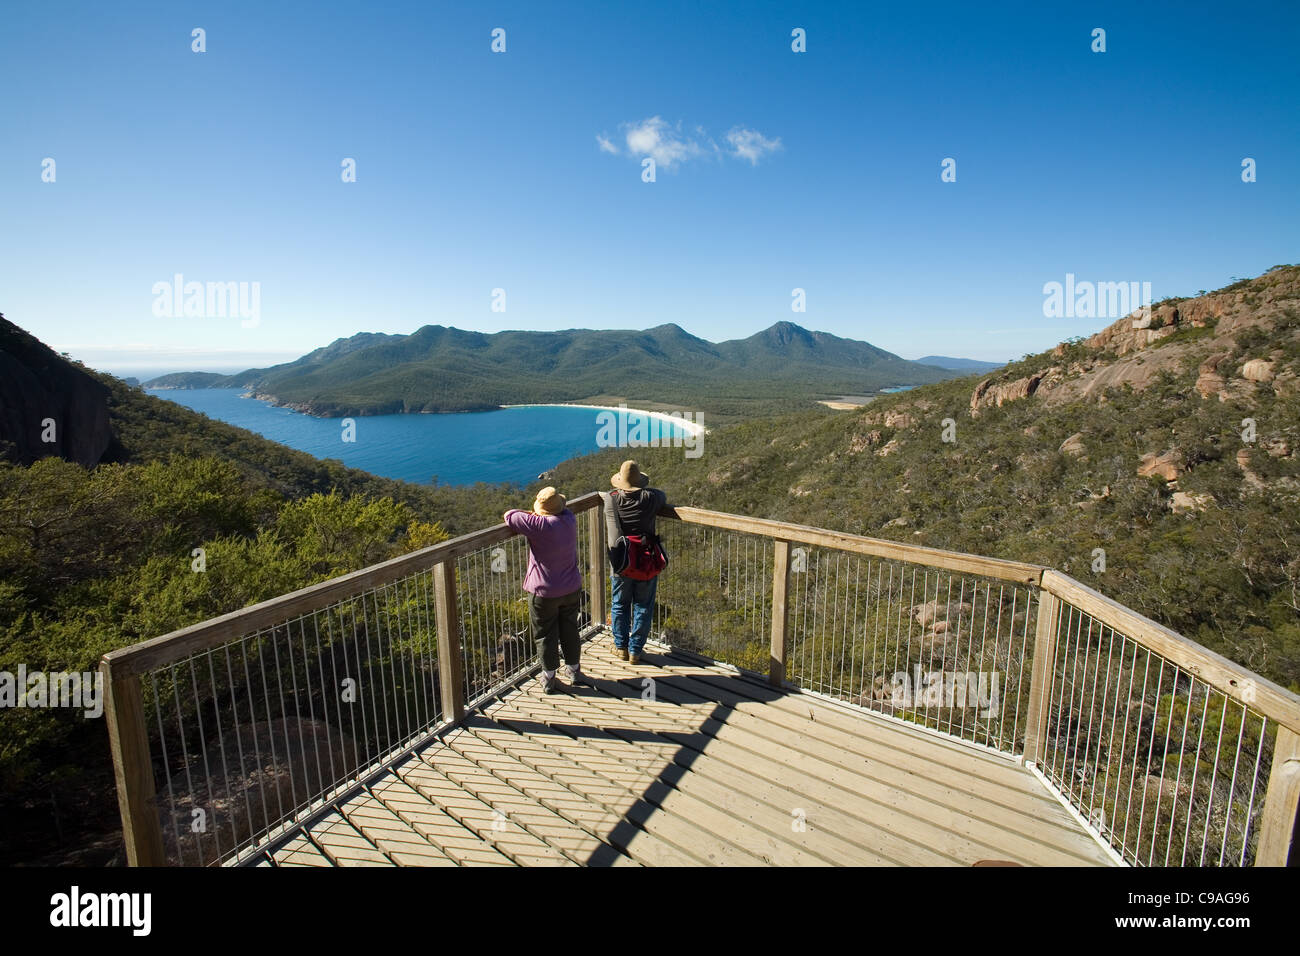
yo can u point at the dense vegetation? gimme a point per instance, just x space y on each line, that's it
437 369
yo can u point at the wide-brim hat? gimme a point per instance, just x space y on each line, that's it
549 502
629 477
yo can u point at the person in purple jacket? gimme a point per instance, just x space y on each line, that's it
553 583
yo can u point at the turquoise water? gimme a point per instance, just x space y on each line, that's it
511 444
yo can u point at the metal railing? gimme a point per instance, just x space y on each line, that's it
227 734
1168 753
1167 768
230 732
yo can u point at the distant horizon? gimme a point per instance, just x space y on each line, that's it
908 175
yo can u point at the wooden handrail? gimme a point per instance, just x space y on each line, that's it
1239 683
160 651
1016 571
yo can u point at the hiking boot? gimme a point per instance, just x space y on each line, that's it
622 653
636 659
575 676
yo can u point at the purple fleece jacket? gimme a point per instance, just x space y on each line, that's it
552 551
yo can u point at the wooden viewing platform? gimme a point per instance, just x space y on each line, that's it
392 716
717 769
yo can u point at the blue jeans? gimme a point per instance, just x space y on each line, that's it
634 602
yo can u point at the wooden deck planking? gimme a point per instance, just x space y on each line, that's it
750 771
977 812
710 770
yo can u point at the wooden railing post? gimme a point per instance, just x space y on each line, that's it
596 554
1040 683
780 615
1278 826
451 663
129 742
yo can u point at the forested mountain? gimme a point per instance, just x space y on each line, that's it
439 369
1171 443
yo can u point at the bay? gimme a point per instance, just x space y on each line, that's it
506 445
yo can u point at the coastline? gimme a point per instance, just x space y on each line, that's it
693 428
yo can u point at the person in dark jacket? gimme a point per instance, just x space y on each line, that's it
553 583
630 509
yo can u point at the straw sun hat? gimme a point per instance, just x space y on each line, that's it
549 502
629 477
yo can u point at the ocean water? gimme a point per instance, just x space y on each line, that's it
510 444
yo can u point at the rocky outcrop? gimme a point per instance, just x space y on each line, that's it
861 442
899 420
1210 382
1278 447
1167 466
1073 445
1136 351
989 395
1258 370
43 396
1185 501
1249 476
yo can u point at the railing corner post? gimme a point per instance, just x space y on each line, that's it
1040 681
1278 828
451 663
128 740
780 615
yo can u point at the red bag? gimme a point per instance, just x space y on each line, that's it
642 559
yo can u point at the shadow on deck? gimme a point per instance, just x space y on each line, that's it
703 766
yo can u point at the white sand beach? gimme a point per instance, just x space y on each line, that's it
695 429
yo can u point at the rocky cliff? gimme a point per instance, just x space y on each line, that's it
49 406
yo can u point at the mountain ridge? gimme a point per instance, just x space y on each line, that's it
440 368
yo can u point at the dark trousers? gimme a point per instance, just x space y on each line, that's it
555 627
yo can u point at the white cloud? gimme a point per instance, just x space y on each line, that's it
669 146
655 138
750 144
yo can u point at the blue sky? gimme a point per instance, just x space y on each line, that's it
478 170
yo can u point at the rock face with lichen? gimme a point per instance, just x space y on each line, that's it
987 394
